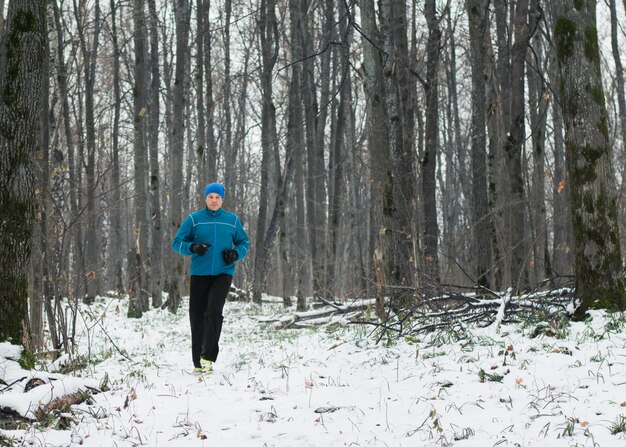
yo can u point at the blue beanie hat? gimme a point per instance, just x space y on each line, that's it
216 188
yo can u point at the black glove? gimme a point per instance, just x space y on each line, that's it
230 256
199 249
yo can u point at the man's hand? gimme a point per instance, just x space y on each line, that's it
230 256
199 249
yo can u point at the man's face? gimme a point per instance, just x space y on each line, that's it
213 201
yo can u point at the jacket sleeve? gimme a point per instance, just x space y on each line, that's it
241 241
184 237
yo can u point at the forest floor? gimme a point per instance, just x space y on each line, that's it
329 386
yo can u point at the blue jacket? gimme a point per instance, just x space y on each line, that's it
221 230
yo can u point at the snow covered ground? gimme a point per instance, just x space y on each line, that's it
332 387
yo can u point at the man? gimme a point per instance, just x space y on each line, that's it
215 239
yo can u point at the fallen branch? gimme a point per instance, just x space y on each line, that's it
290 321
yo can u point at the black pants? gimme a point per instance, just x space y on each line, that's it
206 302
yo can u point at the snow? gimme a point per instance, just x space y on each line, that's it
331 387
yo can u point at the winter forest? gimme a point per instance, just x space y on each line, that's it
422 166
392 149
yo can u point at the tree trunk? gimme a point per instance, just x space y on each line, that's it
200 105
538 105
41 256
139 280
116 258
211 145
154 185
588 151
563 245
295 138
22 49
183 13
316 158
269 47
93 268
621 103
481 229
402 174
230 156
514 148
429 160
382 202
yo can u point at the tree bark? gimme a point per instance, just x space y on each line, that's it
92 239
269 47
22 49
230 155
382 202
116 257
481 217
402 174
154 184
588 151
182 10
139 280
429 159
538 107
514 148
621 103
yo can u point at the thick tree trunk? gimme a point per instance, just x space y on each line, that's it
22 49
594 208
621 103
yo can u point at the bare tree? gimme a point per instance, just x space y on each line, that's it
380 164
139 279
116 219
481 217
90 56
429 159
154 184
269 49
182 10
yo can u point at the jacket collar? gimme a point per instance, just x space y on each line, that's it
213 213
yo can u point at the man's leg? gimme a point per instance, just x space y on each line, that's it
213 318
198 300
